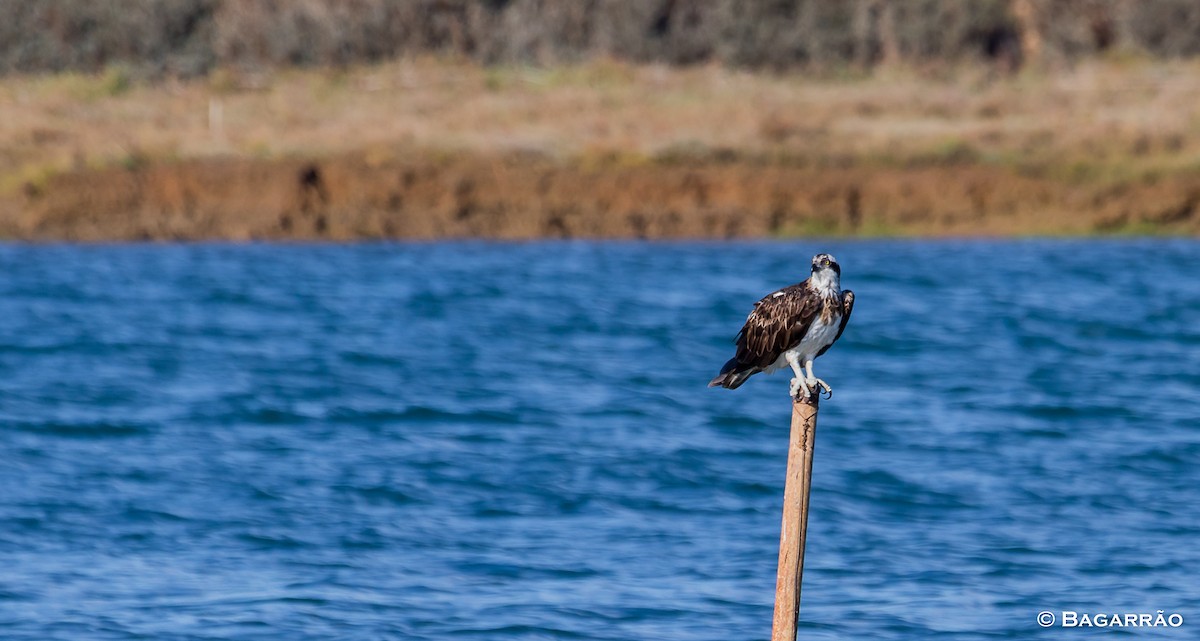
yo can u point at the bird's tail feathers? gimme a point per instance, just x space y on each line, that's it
731 377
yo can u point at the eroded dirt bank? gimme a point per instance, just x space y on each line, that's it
427 195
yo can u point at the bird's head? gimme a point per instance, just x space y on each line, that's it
825 262
826 273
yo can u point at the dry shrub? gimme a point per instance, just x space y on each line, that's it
186 37
338 32
172 36
1169 28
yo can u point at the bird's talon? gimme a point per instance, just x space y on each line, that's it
822 385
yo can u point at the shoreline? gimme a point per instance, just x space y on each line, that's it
427 149
434 195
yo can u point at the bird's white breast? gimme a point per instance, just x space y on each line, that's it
820 334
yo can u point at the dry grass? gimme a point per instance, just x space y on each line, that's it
1106 124
1096 121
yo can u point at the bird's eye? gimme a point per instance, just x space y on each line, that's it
825 262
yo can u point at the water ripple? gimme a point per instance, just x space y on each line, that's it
514 442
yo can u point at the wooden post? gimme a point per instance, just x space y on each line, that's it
794 532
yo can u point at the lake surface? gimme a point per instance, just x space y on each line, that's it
515 442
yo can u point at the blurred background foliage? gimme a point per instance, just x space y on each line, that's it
191 37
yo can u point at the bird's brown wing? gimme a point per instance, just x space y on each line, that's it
777 323
847 307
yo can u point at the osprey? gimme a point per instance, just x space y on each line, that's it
792 326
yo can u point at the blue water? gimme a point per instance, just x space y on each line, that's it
515 442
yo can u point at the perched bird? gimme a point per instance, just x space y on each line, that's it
792 326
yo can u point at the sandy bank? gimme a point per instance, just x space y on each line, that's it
416 195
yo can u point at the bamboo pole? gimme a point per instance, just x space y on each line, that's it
793 534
